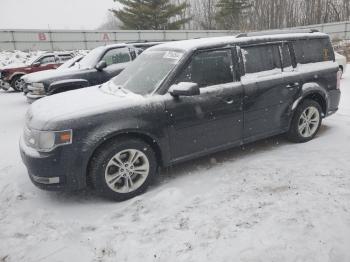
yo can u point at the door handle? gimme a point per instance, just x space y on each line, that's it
229 100
292 85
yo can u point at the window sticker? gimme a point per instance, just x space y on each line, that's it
326 54
173 55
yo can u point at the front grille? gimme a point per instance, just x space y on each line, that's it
35 90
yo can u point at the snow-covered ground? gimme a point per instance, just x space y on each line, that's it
269 201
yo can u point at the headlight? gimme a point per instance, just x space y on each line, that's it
45 141
38 85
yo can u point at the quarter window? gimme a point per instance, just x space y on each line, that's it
117 56
209 68
261 58
313 50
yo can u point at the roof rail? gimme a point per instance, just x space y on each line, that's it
277 32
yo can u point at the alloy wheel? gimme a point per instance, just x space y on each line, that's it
18 84
127 171
309 122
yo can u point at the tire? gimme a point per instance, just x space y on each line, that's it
306 122
115 162
16 83
341 71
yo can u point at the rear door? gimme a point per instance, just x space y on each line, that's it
266 91
213 119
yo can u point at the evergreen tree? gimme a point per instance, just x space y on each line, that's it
230 12
151 14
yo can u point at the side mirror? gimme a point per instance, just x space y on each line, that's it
101 65
36 64
184 89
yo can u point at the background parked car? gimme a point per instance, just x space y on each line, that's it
342 61
97 67
68 64
12 75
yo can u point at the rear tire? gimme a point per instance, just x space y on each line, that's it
306 122
16 83
123 168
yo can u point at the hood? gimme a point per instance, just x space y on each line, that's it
51 75
77 104
39 74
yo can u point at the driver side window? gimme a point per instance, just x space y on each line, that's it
209 68
117 56
47 60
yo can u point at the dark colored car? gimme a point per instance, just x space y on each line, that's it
12 75
97 67
180 101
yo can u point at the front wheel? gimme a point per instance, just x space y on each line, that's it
16 83
123 168
341 70
306 122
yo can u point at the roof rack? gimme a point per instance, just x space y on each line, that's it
277 32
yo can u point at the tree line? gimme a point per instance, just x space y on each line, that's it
227 14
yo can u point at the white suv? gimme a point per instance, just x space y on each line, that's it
341 60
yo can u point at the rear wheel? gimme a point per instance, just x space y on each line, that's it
16 83
306 122
123 168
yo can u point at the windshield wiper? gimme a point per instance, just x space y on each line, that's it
121 88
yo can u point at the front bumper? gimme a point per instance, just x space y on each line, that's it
34 93
334 100
4 85
53 171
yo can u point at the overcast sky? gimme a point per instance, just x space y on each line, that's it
56 14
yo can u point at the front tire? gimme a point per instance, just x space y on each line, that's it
306 122
341 71
123 168
16 83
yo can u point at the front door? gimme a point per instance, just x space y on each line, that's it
117 60
213 119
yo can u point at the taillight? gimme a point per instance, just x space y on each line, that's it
338 79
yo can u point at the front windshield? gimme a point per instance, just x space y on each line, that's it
91 59
147 72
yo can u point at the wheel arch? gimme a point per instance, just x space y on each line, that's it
67 85
316 92
144 136
20 74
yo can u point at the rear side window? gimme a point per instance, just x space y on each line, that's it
313 50
261 58
209 68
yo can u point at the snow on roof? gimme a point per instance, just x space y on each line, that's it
187 45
